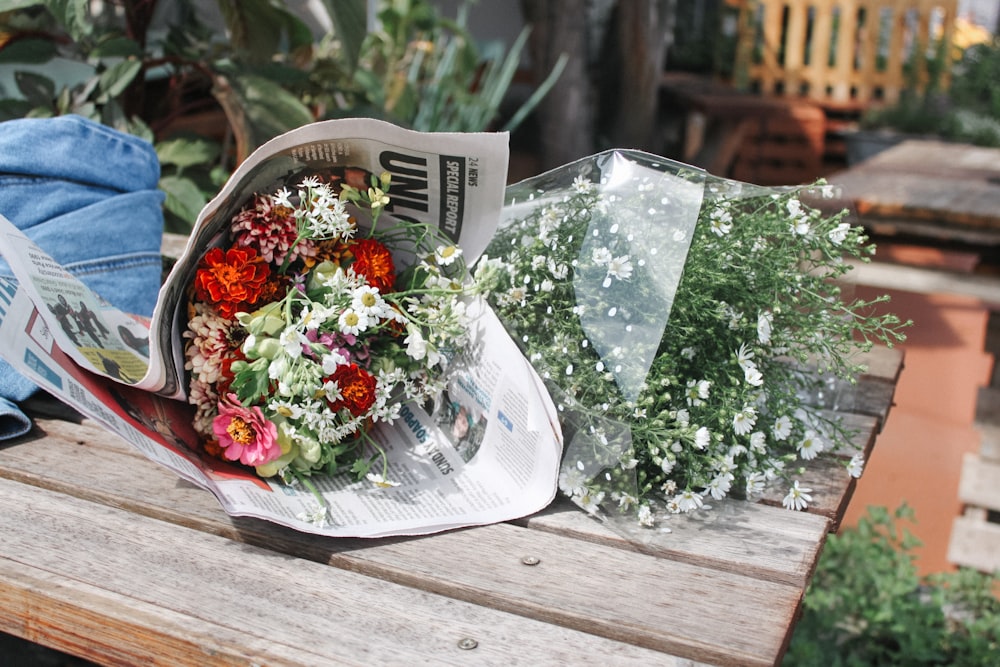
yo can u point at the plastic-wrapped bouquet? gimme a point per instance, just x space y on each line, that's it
304 329
682 322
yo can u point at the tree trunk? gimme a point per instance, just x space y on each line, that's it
566 115
637 45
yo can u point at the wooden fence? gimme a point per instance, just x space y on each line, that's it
848 54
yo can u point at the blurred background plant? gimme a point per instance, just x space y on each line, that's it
960 103
208 84
866 604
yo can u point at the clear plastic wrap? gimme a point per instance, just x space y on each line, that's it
688 327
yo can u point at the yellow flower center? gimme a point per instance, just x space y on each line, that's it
351 319
368 299
241 432
448 252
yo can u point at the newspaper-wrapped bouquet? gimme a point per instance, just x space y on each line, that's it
684 325
304 329
317 356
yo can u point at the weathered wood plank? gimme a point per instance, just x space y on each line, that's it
979 483
767 543
932 181
772 544
975 543
121 589
654 618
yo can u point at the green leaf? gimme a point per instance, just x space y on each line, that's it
258 109
187 152
350 25
116 47
37 89
119 76
184 198
11 5
11 109
260 28
73 15
34 51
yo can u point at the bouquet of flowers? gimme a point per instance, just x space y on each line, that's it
684 325
304 328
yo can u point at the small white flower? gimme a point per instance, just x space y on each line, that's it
572 481
744 420
721 221
753 376
620 268
810 446
755 483
353 322
582 186
856 466
702 438
688 501
798 497
366 299
764 321
590 501
601 256
697 391
645 516
838 234
720 485
782 428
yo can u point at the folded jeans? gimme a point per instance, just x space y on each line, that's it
88 196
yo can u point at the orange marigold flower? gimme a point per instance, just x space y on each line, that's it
374 261
230 279
357 389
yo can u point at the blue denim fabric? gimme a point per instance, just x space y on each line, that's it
87 195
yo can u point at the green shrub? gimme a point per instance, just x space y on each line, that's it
868 606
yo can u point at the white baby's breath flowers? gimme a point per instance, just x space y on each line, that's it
743 277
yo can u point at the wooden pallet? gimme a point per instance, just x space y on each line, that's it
975 535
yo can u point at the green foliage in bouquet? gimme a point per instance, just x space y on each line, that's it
867 605
715 389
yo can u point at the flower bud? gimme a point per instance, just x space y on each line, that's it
272 468
267 320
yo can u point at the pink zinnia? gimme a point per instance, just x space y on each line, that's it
245 434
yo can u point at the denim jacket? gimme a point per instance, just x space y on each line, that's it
87 195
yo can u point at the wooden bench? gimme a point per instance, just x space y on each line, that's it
110 557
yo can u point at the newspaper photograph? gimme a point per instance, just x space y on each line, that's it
486 450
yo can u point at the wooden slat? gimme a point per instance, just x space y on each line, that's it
761 541
951 185
854 75
135 530
975 543
56 461
437 565
980 482
147 590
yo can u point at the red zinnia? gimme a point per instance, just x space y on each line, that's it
229 279
374 261
357 389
